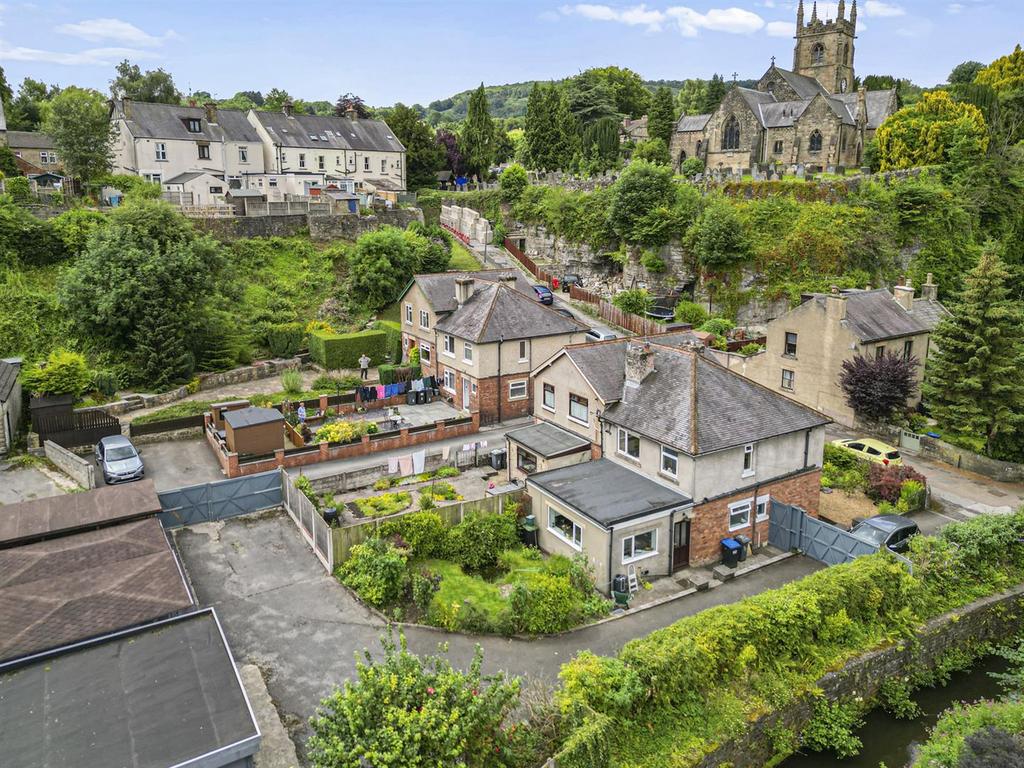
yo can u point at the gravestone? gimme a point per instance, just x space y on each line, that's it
799 170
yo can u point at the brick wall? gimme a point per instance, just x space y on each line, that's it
711 520
489 393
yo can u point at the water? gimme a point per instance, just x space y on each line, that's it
891 741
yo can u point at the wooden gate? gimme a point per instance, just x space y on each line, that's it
75 428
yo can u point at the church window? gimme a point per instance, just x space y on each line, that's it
771 86
842 142
816 141
846 53
778 147
700 146
818 54
682 155
731 136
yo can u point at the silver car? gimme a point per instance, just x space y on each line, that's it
119 460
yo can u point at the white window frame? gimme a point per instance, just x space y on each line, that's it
762 501
523 384
448 345
734 508
545 387
792 380
243 154
424 319
524 353
576 540
467 352
673 454
749 460
449 387
631 540
160 149
408 314
622 444
425 352
577 419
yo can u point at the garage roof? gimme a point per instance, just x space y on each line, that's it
548 440
63 515
166 694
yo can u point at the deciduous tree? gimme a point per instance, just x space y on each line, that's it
717 238
77 119
423 157
155 85
640 192
380 265
653 150
877 388
935 130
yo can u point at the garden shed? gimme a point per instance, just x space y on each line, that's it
254 430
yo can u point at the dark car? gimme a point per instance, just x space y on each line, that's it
565 312
544 295
118 460
570 280
891 531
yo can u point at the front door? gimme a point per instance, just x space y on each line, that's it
465 394
680 544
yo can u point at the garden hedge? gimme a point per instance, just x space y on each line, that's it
285 339
394 332
343 350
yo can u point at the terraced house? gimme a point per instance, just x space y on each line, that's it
690 453
481 334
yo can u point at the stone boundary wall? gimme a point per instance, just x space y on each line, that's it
78 469
468 222
229 228
321 227
991 619
324 229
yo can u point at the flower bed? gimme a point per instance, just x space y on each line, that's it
344 431
383 505
472 577
894 489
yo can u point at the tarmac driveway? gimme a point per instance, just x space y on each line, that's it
175 463
283 612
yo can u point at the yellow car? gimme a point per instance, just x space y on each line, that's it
871 450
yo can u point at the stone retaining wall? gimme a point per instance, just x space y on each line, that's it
324 229
78 469
468 222
938 450
229 228
992 619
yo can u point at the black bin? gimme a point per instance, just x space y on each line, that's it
744 542
730 552
498 458
410 398
619 583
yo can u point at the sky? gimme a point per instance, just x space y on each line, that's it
416 51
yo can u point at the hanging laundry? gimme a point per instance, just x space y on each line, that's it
482 444
405 465
419 459
445 451
392 465
380 392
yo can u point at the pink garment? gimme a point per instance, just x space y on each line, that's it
380 391
405 465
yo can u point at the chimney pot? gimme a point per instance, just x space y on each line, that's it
930 290
287 108
211 112
639 362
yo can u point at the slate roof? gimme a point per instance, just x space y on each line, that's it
875 315
929 313
548 440
30 140
55 516
692 123
167 121
166 694
607 492
695 405
878 103
187 176
439 287
805 87
251 417
331 132
71 588
8 378
496 311
781 114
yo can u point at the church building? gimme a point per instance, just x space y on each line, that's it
810 115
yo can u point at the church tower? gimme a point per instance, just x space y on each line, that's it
824 48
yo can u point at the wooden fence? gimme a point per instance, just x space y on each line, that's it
166 425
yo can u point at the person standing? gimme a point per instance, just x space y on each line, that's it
364 367
302 413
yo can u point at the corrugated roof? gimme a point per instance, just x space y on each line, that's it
168 121
68 589
331 132
730 409
251 417
547 439
165 694
30 140
495 312
606 491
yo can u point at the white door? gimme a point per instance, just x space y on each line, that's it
465 394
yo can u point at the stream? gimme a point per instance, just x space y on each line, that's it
891 741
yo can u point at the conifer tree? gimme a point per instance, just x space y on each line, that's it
661 118
162 354
567 131
974 384
478 135
538 128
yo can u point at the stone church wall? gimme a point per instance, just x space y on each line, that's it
750 135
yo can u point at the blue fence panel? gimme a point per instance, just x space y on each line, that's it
790 528
223 499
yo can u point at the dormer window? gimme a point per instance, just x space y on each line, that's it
193 125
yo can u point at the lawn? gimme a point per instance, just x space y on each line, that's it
463 259
176 411
457 586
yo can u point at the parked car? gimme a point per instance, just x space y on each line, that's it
599 333
872 450
571 280
119 460
544 295
891 531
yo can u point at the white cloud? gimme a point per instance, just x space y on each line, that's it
87 57
779 28
689 21
115 30
879 8
955 7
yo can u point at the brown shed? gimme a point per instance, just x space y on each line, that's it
254 430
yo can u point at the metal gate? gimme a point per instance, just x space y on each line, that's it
789 528
223 499
311 525
910 441
75 428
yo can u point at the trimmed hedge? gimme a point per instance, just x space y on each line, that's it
285 339
394 332
343 350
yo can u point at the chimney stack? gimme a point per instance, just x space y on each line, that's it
904 294
211 112
287 108
126 107
930 290
639 362
835 304
463 289
351 113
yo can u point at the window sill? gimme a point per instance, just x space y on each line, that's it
562 537
748 473
627 457
787 389
578 421
764 519
548 408
789 356
667 476
514 399
739 527
638 558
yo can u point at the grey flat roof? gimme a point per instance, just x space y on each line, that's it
166 694
607 492
250 417
63 515
547 439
